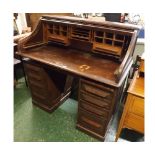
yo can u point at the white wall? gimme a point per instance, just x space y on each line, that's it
21 22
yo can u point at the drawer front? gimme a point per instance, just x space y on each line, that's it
41 92
38 96
94 109
134 122
98 101
40 99
35 76
91 122
96 89
137 106
34 72
36 83
32 67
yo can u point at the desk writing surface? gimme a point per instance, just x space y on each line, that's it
75 61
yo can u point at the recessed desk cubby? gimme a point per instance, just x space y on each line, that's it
58 33
83 34
109 42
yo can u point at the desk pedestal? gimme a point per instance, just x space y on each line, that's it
97 102
49 88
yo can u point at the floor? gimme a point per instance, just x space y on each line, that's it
31 124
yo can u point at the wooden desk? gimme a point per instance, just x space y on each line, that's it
97 100
61 48
133 114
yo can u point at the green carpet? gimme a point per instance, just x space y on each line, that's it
32 124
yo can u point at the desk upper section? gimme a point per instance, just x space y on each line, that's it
105 39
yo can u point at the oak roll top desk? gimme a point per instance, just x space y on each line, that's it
98 53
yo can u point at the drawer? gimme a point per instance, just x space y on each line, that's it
137 106
94 109
36 81
35 75
38 84
41 91
134 122
96 89
91 122
98 101
32 67
38 95
39 99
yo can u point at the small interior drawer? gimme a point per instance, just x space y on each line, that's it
108 48
98 101
91 122
94 109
